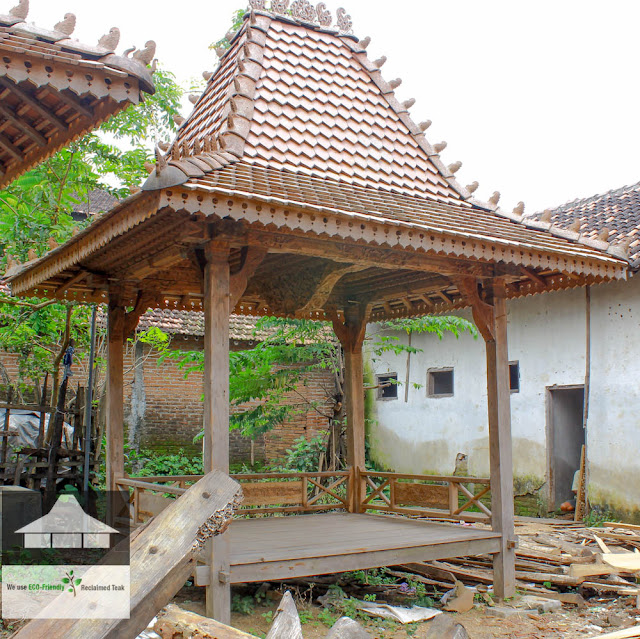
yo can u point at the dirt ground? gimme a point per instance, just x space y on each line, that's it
600 615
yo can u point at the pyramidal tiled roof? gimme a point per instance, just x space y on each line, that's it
613 216
305 99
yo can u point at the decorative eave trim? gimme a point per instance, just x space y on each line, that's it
128 214
379 231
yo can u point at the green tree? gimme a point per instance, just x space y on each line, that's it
261 377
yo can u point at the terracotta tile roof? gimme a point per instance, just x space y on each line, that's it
308 100
55 88
299 113
614 215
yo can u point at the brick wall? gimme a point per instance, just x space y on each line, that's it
163 409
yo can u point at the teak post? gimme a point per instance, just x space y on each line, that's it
115 393
499 410
351 336
216 415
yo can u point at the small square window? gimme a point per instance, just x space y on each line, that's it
514 377
387 386
440 382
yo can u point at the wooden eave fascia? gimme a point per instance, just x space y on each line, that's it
129 213
300 224
378 230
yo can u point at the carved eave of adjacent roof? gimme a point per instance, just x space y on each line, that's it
608 221
223 116
54 89
26 40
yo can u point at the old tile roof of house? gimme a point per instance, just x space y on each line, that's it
54 88
614 215
191 323
97 201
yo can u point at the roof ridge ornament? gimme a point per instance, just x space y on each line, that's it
21 10
303 11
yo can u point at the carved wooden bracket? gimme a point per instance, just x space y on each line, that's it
332 274
252 258
483 314
144 301
351 332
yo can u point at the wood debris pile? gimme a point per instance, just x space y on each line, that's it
564 561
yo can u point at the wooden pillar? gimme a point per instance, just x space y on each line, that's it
351 336
500 452
115 395
216 415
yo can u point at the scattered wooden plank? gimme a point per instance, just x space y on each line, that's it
619 524
176 623
162 559
580 571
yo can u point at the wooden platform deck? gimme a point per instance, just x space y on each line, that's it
304 545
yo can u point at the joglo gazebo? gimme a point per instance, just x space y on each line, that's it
300 187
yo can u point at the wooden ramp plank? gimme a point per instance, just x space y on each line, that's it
162 559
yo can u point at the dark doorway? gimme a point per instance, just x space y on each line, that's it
565 438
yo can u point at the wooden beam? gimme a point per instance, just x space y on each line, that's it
163 556
534 277
144 301
500 448
34 104
78 277
34 134
115 396
71 101
216 413
176 622
252 258
10 148
363 255
483 315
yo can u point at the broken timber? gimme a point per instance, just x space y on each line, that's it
162 559
175 623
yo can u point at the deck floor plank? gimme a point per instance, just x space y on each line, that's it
317 543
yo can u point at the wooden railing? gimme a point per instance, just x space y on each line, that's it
278 493
427 495
264 493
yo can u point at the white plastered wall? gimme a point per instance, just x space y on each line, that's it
547 335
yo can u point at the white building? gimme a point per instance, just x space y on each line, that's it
575 379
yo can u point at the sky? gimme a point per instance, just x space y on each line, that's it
537 99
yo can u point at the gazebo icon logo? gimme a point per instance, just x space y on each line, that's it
67 526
